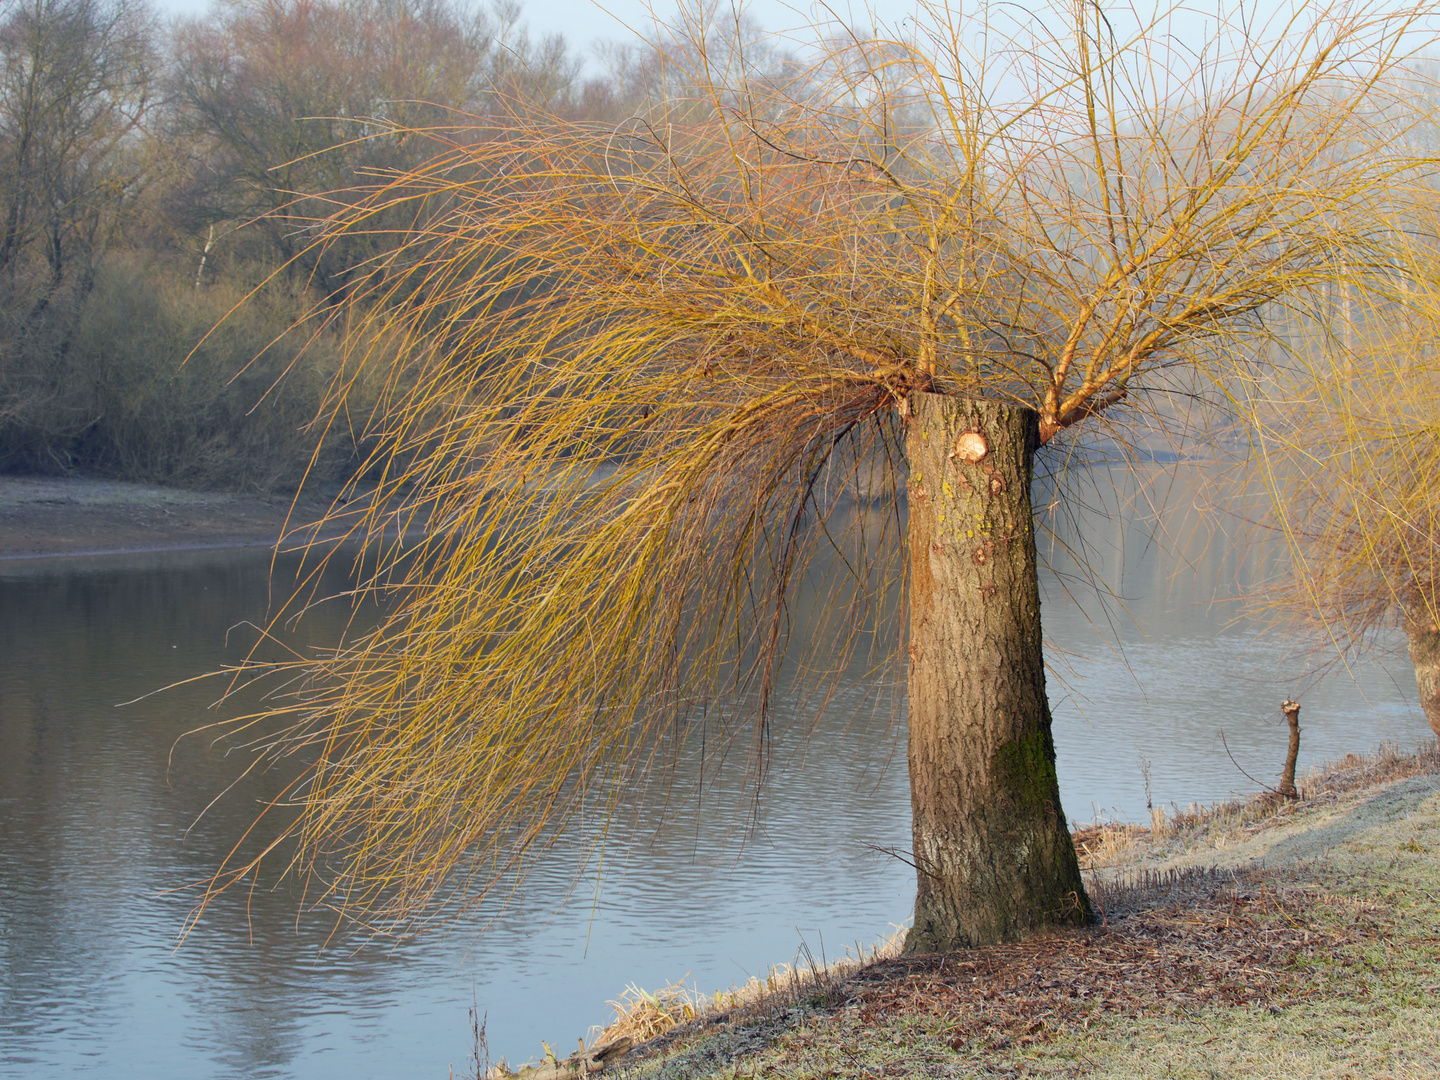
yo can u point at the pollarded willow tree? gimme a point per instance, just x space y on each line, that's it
643 363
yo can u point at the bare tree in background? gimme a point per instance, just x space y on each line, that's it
281 102
76 83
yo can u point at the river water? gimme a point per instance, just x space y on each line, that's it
99 836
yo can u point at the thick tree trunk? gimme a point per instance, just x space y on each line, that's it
1424 637
992 850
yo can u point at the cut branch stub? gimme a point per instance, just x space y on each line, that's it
1287 788
970 447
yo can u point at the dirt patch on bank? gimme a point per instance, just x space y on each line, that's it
45 517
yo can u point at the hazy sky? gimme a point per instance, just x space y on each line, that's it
584 21
1189 22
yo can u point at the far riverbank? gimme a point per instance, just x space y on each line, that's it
46 517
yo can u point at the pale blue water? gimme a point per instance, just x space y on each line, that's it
93 835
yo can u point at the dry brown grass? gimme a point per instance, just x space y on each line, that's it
1107 843
642 1015
1322 785
1111 844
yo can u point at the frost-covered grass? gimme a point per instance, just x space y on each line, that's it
1297 943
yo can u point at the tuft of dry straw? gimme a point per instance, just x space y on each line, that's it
640 1015
1159 827
1107 843
643 1015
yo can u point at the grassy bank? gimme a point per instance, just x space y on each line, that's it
1256 939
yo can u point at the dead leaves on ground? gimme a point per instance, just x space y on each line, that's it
1173 945
1213 940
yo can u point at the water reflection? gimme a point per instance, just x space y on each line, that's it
96 833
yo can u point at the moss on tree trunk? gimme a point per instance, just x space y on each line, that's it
994 857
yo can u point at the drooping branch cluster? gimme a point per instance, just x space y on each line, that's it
639 365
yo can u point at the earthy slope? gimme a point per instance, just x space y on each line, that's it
1298 940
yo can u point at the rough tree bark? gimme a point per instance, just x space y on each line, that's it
993 854
1424 636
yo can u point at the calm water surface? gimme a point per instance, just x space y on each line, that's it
98 832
